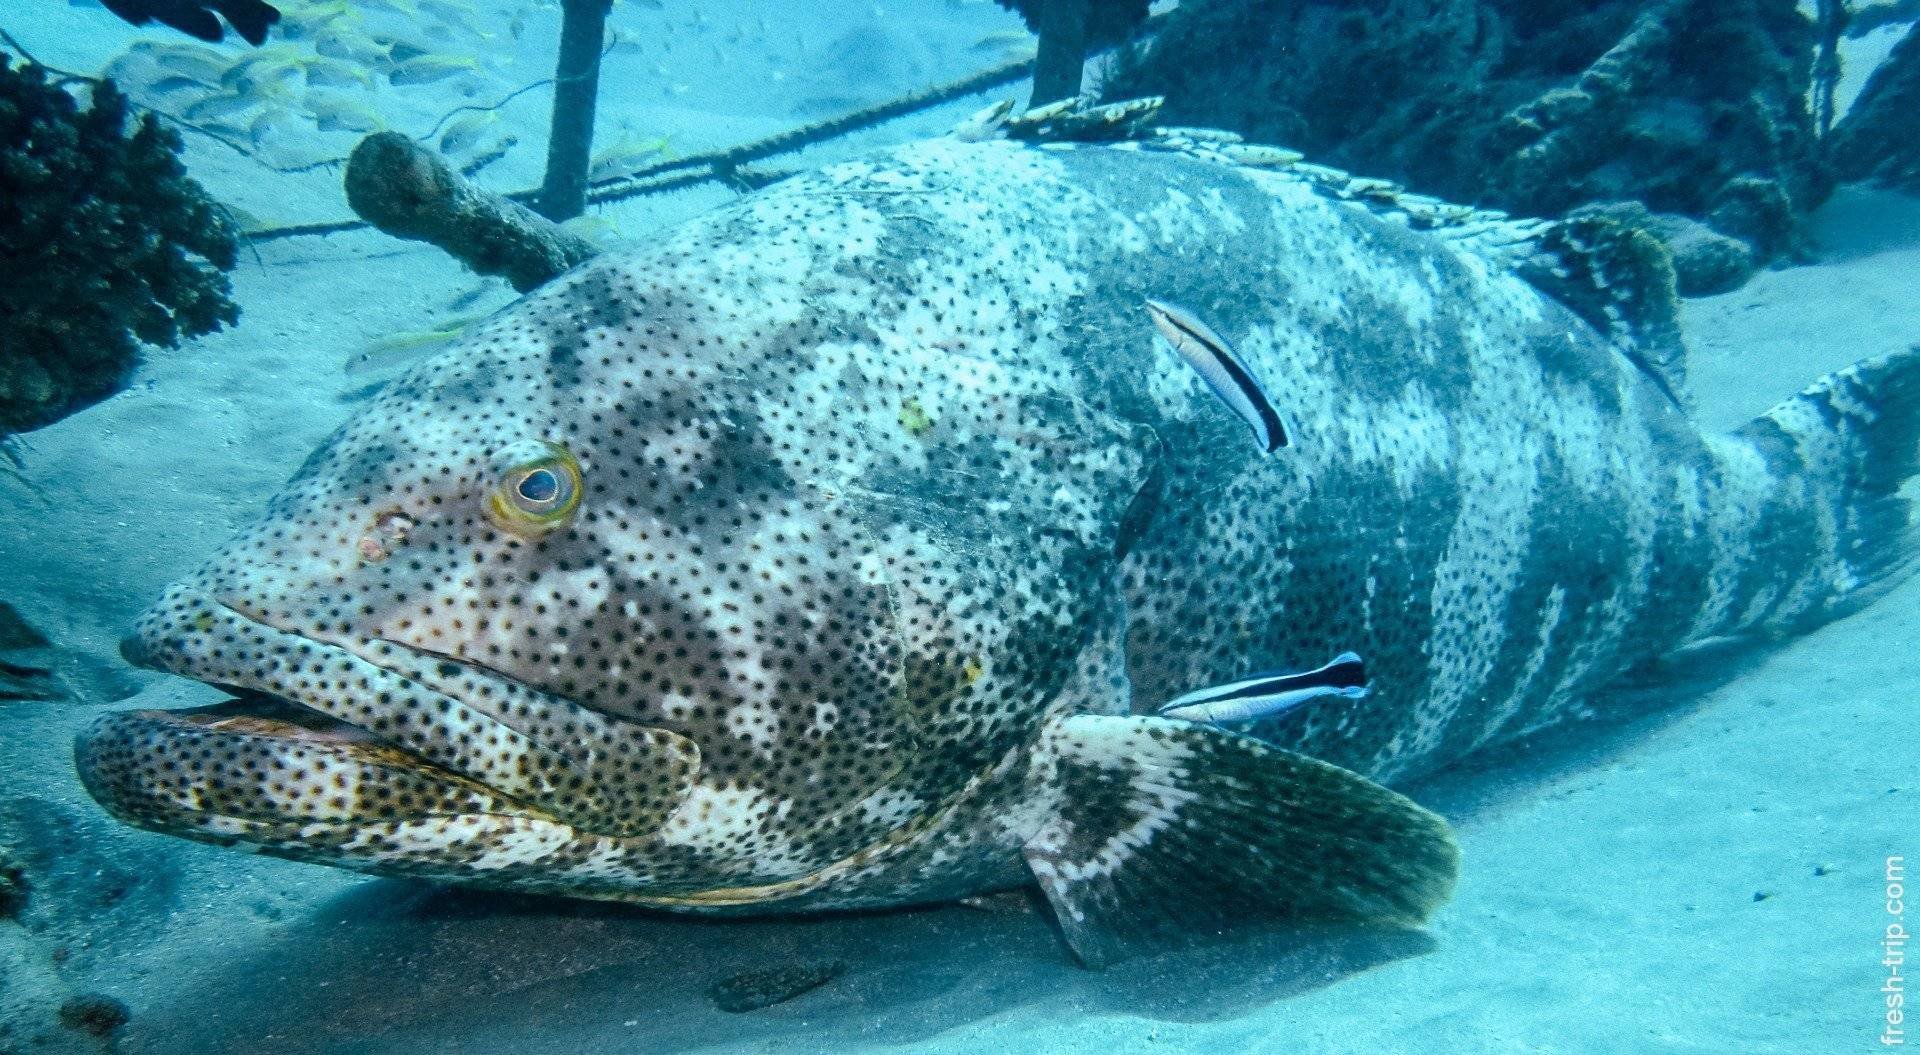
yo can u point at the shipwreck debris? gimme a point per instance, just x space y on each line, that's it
410 192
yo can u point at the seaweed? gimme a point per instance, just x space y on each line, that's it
105 245
1531 106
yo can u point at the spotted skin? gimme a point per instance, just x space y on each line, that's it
885 478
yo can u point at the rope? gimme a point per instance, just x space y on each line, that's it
723 166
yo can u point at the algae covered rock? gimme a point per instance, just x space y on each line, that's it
765 987
105 245
94 1013
1533 106
1705 262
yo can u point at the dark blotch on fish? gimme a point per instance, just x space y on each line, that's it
753 990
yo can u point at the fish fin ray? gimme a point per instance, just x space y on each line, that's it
1165 830
1616 276
1854 435
249 18
1619 278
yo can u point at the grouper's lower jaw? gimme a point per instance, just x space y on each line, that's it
327 757
252 772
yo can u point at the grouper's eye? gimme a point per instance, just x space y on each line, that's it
538 488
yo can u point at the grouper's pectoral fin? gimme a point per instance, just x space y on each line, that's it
1159 829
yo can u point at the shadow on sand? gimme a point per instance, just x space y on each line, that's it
402 967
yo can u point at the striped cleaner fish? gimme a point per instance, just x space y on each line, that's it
1207 352
1267 695
836 549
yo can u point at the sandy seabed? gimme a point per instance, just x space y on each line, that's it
1709 878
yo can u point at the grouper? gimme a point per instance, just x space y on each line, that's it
840 548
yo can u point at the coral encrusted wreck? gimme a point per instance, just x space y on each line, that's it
105 243
1695 109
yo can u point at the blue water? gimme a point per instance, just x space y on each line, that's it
1717 869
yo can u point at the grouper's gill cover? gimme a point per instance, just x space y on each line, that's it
894 525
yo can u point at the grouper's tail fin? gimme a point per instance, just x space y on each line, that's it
1830 522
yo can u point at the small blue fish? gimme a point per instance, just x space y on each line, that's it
1266 695
1208 353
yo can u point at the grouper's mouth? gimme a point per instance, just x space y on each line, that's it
366 752
260 769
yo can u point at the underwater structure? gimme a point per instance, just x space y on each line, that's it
1879 140
411 192
576 88
107 243
1068 31
1696 110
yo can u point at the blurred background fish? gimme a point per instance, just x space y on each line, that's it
626 155
464 133
334 112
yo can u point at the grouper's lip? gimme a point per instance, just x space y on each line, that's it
258 710
161 769
261 714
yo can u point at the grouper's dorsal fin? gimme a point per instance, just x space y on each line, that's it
1619 278
1616 276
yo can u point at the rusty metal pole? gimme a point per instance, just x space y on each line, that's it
1063 50
576 88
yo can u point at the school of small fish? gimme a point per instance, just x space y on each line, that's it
346 68
327 68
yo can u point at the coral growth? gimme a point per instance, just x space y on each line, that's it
1705 262
1879 140
1534 106
106 244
